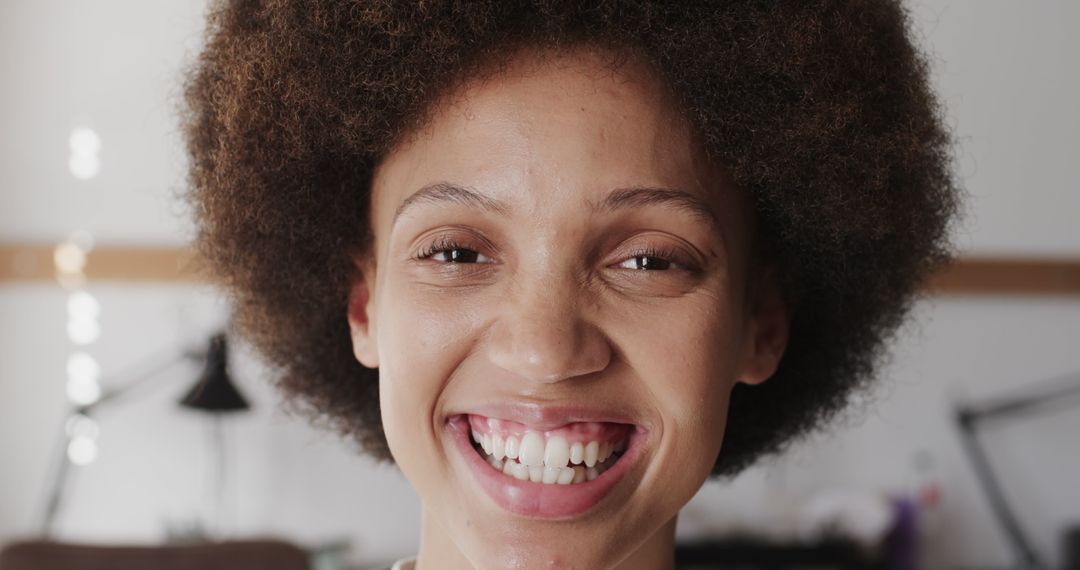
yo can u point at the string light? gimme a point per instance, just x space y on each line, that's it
85 145
82 450
83 373
83 331
83 305
81 425
69 258
83 386
82 432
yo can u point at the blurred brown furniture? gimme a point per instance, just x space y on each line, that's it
239 555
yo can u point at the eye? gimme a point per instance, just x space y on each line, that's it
650 259
646 262
446 250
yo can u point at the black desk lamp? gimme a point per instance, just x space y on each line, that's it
213 393
216 395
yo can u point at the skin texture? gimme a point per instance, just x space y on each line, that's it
548 308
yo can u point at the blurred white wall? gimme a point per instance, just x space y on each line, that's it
113 66
1006 72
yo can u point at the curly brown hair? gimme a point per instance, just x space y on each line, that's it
822 110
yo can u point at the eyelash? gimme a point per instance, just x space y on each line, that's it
441 245
667 255
670 256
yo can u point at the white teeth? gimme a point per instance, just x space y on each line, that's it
592 451
557 452
511 447
531 452
577 453
519 471
546 475
555 461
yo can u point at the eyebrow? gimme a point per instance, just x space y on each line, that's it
647 195
452 193
622 198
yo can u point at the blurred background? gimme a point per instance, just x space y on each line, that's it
967 456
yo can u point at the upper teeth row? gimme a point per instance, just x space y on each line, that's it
532 451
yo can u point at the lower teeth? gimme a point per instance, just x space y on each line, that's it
549 475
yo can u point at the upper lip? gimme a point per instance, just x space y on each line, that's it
548 416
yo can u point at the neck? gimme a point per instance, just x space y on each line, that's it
657 551
438 551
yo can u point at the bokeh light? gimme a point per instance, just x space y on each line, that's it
83 305
81 425
82 450
83 386
83 331
85 145
69 258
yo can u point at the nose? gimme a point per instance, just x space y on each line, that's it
542 336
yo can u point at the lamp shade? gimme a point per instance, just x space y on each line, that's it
215 391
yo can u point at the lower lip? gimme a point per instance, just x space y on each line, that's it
539 500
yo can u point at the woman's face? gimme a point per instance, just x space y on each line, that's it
559 273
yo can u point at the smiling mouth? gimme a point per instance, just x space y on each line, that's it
574 453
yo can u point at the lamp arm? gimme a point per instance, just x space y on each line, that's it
147 372
1021 544
144 375
1056 391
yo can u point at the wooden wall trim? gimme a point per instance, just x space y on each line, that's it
1008 276
36 262
967 276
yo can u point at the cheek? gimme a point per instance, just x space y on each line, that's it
421 342
690 367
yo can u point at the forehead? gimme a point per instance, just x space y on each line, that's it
586 92
552 128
